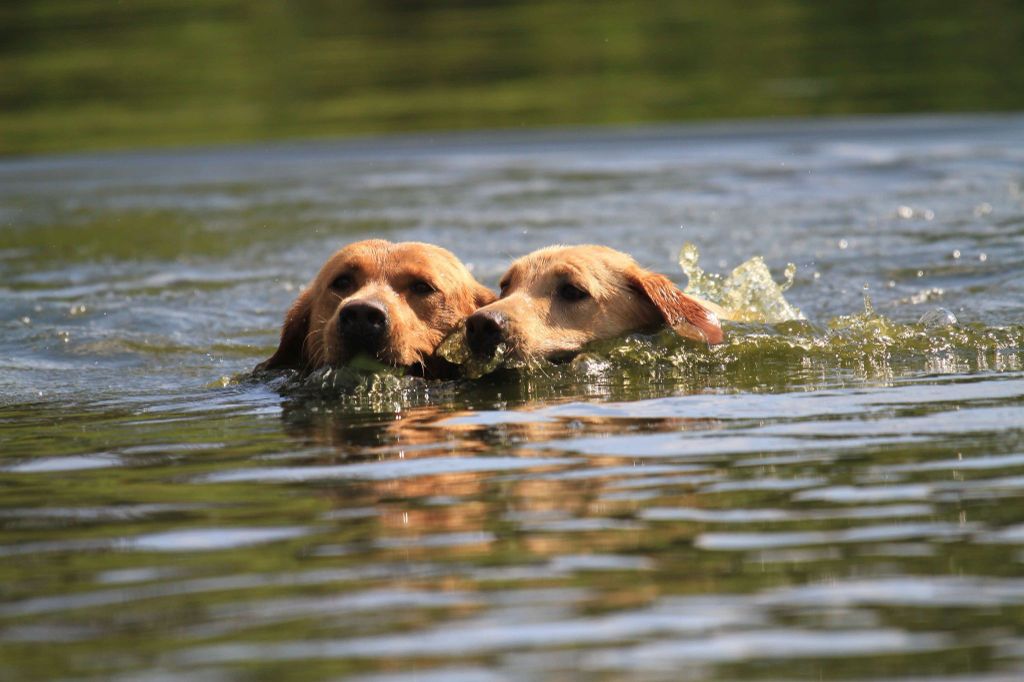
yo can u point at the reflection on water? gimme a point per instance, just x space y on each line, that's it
835 497
872 537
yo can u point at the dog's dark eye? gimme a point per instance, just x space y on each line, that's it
571 293
421 288
504 285
342 283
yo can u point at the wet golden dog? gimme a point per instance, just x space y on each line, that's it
392 302
556 300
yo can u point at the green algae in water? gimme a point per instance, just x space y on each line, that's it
365 363
455 349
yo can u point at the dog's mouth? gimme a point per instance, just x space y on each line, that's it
350 353
562 357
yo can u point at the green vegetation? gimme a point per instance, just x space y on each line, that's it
88 74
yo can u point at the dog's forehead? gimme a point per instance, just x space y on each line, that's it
377 258
589 262
426 257
364 255
579 257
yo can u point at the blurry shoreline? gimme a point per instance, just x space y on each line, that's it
94 75
563 138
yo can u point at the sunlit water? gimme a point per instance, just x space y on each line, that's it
835 497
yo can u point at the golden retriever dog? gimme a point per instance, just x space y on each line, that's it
393 302
557 299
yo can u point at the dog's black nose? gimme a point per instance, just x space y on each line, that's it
484 331
363 325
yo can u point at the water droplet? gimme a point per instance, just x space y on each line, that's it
891 284
938 317
688 257
843 244
905 212
920 273
869 309
983 257
983 208
790 275
956 254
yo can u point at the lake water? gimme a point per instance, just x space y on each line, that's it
835 498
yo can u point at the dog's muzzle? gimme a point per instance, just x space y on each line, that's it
484 331
363 326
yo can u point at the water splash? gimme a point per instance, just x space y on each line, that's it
748 293
360 387
937 318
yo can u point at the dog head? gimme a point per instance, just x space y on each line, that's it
392 302
556 300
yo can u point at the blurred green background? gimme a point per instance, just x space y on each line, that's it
92 74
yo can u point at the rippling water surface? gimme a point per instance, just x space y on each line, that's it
840 497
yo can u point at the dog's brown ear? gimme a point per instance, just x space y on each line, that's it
483 296
685 315
290 353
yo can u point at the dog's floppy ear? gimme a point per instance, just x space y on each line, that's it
483 296
685 315
289 353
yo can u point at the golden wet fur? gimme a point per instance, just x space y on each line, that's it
424 289
557 299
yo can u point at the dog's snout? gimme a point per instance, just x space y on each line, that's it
484 331
363 323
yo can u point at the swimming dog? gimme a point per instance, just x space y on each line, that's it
557 299
393 302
